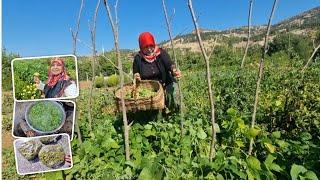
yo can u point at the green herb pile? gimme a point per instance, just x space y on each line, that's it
142 92
52 155
45 116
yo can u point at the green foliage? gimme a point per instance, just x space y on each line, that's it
294 45
99 82
6 69
300 172
113 80
286 133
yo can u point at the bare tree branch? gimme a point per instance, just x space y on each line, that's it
249 33
210 86
92 28
114 65
115 31
261 65
74 35
177 66
311 57
214 46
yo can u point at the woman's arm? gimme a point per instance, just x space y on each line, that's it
168 64
40 85
71 90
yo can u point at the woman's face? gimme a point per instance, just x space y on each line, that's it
148 50
56 68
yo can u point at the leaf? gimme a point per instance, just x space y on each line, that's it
239 143
253 163
283 144
276 134
201 134
270 165
241 123
148 126
296 170
220 177
250 175
278 103
145 174
275 167
271 148
148 132
305 136
269 160
231 112
216 128
311 175
253 132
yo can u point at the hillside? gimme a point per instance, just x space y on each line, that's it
305 23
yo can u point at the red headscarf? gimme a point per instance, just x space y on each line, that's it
53 79
147 39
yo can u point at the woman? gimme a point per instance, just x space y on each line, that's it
59 83
154 63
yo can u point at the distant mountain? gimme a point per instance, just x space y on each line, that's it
305 23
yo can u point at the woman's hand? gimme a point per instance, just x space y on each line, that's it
137 77
67 159
30 134
176 73
36 79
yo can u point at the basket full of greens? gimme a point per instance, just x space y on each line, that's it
145 95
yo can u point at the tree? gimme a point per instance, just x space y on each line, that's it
292 44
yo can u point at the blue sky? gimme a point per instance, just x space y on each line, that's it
41 27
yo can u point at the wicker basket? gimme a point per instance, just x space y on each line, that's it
142 104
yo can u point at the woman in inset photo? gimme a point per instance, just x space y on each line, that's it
59 84
45 77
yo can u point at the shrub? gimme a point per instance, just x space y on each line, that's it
113 80
99 82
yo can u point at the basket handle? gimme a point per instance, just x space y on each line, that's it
135 88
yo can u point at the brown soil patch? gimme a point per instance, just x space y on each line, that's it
84 84
7 140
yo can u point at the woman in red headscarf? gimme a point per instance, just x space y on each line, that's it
59 83
154 63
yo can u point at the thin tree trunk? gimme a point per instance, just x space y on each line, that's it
210 86
115 27
249 33
261 65
74 35
177 66
311 57
92 28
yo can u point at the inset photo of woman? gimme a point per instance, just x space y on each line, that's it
45 77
